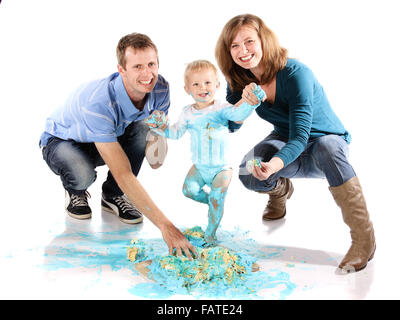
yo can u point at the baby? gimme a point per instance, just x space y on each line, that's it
207 122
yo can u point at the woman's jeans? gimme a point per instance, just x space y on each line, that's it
75 162
324 157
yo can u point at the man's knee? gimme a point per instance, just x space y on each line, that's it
73 165
80 177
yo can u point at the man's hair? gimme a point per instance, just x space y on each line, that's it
135 40
274 56
199 65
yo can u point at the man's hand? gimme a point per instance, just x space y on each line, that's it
176 240
157 120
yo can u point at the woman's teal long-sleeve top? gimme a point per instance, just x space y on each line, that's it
301 110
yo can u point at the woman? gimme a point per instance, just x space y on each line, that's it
308 140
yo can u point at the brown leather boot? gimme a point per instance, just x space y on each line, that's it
350 199
276 206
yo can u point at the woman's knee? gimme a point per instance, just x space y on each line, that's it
253 184
330 153
247 180
330 148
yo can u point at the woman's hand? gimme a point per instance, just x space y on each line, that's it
249 96
267 168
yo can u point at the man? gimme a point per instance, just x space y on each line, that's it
102 123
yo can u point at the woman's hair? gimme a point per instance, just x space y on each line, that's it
199 65
274 56
136 41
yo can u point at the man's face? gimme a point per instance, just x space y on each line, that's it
140 73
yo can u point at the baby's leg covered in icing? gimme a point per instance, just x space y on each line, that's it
216 200
193 186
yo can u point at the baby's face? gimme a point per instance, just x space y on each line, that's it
202 85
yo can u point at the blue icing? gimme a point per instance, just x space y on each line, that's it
157 118
196 236
217 272
91 250
109 249
216 269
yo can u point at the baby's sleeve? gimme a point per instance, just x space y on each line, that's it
240 113
176 130
243 111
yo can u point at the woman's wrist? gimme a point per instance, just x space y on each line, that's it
276 163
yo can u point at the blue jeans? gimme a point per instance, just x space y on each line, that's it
75 162
324 157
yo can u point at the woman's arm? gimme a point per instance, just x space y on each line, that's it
299 95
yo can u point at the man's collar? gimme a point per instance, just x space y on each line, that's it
123 99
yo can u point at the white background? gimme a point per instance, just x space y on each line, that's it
48 48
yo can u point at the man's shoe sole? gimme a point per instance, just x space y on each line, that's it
106 207
79 216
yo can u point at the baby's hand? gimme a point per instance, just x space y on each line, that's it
157 120
260 93
253 94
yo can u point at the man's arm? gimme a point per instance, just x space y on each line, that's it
118 163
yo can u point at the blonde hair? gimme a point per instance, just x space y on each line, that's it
274 56
136 41
199 65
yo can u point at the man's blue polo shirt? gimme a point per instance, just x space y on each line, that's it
100 111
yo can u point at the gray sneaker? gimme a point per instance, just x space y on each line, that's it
122 208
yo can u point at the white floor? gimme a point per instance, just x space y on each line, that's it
45 254
311 240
